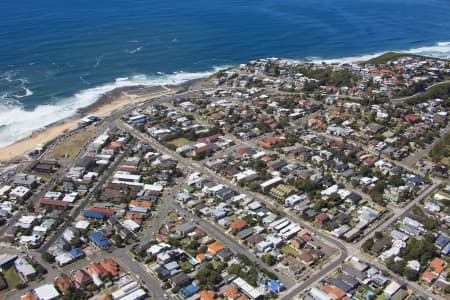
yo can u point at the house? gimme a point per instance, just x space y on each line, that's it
64 284
99 240
437 265
97 270
382 244
207 295
345 282
188 291
7 261
185 228
80 278
267 185
247 175
353 198
306 258
111 266
162 273
321 218
225 254
20 193
29 181
25 269
214 248
238 225
45 202
180 280
317 294
335 292
46 292
63 259
204 149
429 277
297 242
93 215
29 296
44 166
391 289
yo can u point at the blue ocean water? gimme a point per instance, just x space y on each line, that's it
58 56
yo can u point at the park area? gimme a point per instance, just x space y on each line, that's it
69 146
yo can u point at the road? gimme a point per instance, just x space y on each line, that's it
344 248
134 267
187 163
106 175
121 254
231 243
163 211
399 100
412 159
268 202
398 214
53 181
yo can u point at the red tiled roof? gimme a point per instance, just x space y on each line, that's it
108 212
438 265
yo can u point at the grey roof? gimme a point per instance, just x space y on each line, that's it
7 259
243 234
353 272
186 227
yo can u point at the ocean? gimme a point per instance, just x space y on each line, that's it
59 56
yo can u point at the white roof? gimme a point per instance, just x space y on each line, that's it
332 189
20 191
27 219
46 292
24 267
254 205
392 288
25 239
53 195
243 175
271 181
137 294
4 189
154 187
70 197
125 175
254 293
319 294
82 224
63 258
131 225
40 229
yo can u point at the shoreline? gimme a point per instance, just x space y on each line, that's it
106 104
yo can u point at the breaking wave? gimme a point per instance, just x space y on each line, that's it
17 123
440 50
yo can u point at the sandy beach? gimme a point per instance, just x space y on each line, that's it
102 108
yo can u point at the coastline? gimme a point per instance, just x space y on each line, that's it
106 104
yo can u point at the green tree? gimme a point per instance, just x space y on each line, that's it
48 257
379 235
367 245
411 275
208 276
269 259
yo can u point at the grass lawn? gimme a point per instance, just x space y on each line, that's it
71 145
12 278
44 176
173 214
286 249
179 142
